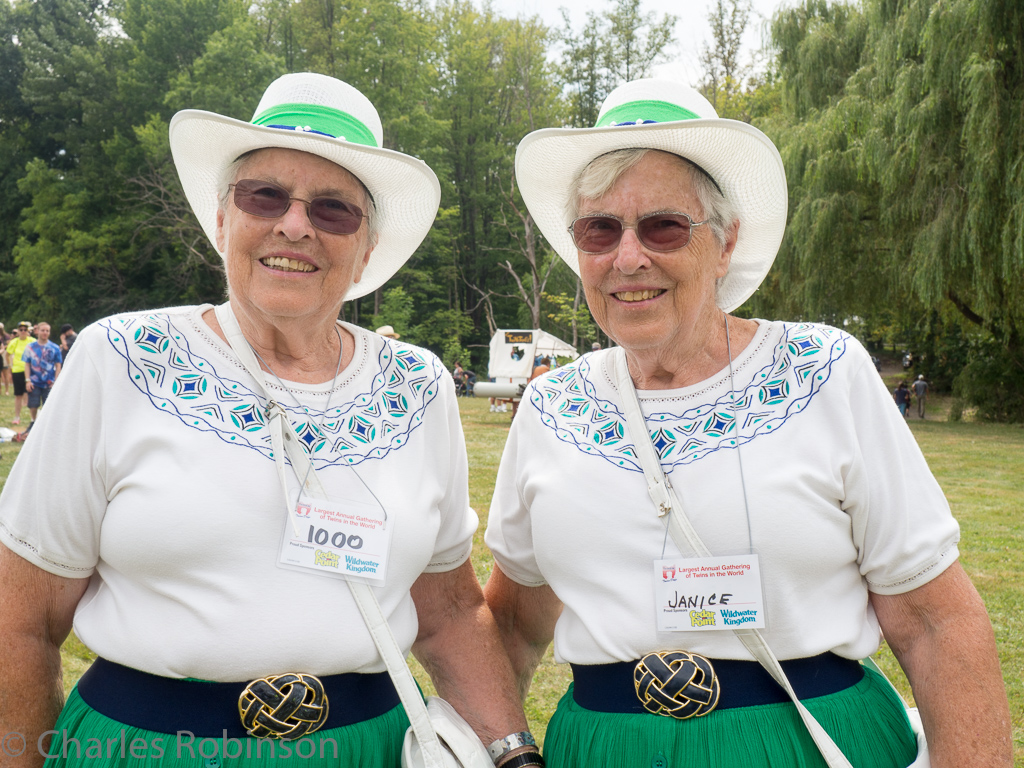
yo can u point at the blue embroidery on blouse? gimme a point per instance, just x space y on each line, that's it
187 386
569 405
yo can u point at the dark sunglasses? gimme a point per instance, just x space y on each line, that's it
269 201
657 231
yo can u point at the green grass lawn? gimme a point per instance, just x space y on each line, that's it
980 467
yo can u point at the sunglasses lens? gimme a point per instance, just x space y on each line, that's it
596 234
335 215
261 198
664 231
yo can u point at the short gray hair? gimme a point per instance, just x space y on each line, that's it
233 168
601 174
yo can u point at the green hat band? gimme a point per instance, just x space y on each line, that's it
648 111
316 119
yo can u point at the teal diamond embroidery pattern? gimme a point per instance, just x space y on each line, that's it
801 364
247 418
151 339
773 392
202 395
310 437
189 386
719 423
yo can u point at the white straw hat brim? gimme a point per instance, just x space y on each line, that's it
743 162
405 190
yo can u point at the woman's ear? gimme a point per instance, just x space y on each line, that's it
222 238
731 235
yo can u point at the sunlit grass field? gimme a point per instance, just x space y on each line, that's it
980 467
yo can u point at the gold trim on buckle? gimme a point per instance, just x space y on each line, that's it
283 706
676 684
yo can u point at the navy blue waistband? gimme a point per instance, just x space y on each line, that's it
610 687
206 710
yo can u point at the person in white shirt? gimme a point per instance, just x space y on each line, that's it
199 565
823 522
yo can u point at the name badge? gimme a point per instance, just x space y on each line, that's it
702 593
345 539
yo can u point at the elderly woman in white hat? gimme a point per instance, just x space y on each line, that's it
717 494
230 467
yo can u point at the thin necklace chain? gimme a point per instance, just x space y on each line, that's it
736 426
330 393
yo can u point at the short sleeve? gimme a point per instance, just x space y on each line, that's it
53 502
509 532
902 524
458 520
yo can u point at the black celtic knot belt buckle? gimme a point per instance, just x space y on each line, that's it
676 684
283 706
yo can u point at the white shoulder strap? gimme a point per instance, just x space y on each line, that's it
690 544
284 441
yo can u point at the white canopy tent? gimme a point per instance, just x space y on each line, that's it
512 356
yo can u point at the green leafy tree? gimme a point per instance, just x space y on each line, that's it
904 160
613 46
395 310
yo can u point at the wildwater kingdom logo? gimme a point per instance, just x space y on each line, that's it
734 618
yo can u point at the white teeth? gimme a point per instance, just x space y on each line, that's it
637 295
289 265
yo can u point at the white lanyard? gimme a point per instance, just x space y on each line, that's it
687 539
282 434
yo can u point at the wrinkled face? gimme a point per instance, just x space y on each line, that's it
42 333
644 299
285 266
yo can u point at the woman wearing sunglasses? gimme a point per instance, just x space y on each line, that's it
232 467
711 476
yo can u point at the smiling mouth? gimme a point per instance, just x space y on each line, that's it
287 265
638 295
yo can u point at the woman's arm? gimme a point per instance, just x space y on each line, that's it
458 645
36 610
526 619
943 639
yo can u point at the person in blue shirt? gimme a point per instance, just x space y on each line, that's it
42 366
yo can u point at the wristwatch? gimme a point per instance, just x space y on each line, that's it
502 747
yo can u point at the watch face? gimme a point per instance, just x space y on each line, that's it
510 742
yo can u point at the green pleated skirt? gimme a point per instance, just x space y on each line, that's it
867 721
89 739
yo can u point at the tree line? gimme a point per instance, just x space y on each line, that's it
898 120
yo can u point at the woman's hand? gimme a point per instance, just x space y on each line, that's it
943 639
458 645
36 610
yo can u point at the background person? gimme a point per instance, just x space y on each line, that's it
544 366
165 542
920 388
901 395
672 217
15 349
5 365
43 362
67 339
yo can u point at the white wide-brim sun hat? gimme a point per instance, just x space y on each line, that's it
672 117
325 117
